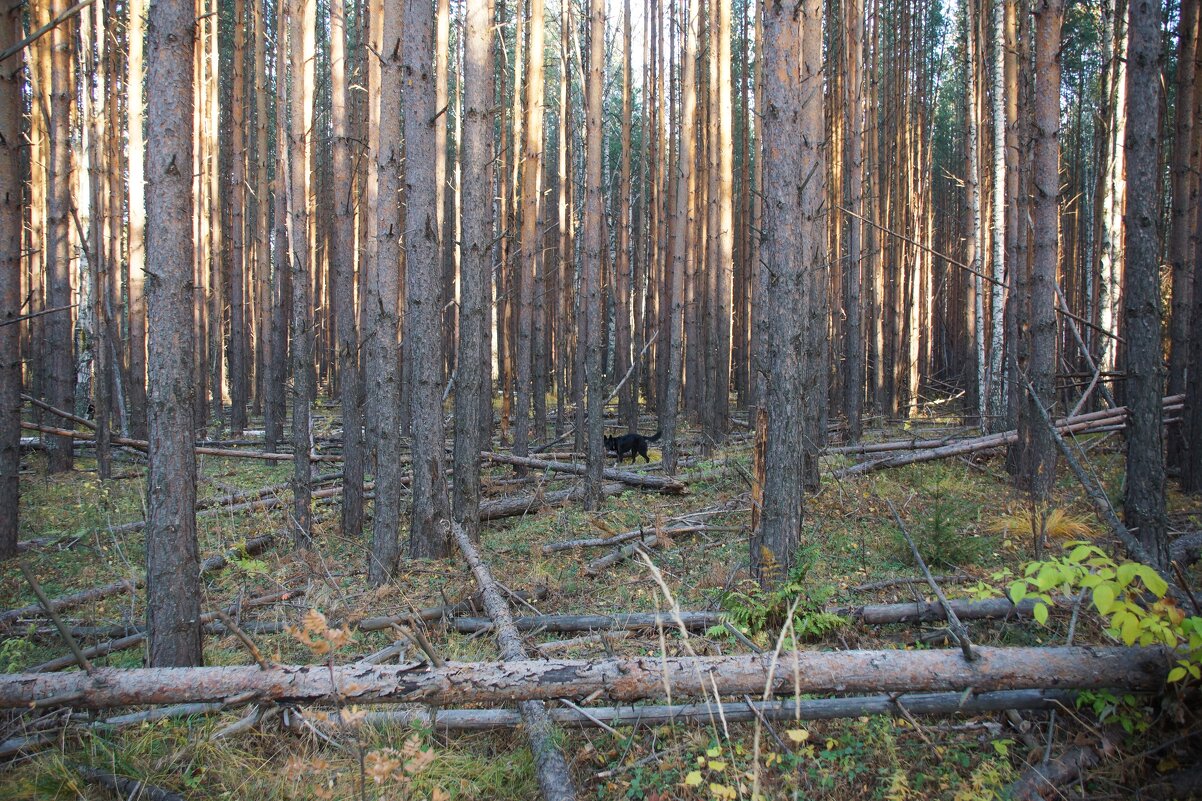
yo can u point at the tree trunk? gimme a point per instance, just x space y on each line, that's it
1039 462
59 348
1143 507
11 223
429 532
854 374
995 405
788 237
530 240
1185 188
718 411
593 245
239 345
302 14
172 561
681 234
976 361
383 289
342 269
474 375
790 673
554 778
628 410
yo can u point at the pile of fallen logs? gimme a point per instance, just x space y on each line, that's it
913 451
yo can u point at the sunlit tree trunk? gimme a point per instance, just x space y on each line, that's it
172 563
972 181
995 404
670 402
301 46
854 375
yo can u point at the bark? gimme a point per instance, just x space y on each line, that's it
976 307
718 410
631 679
1001 222
1143 507
302 15
790 239
854 374
529 243
172 562
276 355
1039 463
670 401
554 778
11 223
59 328
239 345
593 245
342 269
429 535
1192 472
735 711
473 385
1185 194
383 290
513 507
126 787
136 158
664 484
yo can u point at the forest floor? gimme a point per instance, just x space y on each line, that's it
952 507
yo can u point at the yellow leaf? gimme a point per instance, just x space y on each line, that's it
714 752
693 779
798 735
717 766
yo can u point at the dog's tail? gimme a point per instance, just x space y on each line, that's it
655 438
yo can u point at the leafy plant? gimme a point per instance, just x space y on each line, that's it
1119 594
755 610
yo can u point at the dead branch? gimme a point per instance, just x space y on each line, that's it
660 483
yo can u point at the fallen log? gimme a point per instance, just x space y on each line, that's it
735 711
1076 425
554 778
629 679
1047 781
568 623
514 507
870 614
661 483
625 536
144 446
212 564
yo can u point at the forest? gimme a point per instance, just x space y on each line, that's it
675 399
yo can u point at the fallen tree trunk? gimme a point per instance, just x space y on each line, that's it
617 539
133 789
554 778
143 445
513 507
567 623
630 679
429 614
871 614
735 711
661 483
212 564
1073 425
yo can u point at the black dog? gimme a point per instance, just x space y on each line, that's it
634 444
